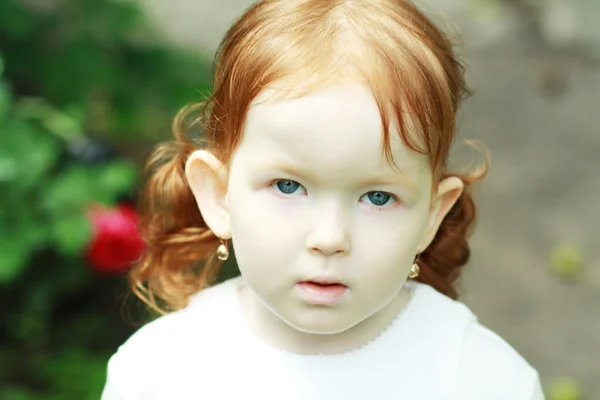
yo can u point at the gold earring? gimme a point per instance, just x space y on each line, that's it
415 269
223 251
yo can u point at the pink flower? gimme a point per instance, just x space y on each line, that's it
116 242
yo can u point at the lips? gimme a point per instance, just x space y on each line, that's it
324 292
324 284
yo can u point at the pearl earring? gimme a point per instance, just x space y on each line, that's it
223 251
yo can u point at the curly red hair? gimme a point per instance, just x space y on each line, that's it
389 45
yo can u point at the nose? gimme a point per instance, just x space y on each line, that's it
330 232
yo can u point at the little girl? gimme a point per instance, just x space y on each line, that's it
323 164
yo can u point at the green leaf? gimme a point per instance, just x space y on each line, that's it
15 19
23 232
40 159
118 177
30 227
17 393
14 256
8 169
5 96
71 233
74 373
62 124
21 221
70 191
28 327
27 153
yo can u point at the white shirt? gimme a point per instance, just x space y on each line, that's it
434 350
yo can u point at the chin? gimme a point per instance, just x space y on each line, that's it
320 323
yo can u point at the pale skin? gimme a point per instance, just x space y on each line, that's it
309 193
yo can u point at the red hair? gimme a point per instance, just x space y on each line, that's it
294 46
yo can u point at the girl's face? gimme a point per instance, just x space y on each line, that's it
312 198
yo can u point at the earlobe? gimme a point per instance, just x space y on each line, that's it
448 192
207 178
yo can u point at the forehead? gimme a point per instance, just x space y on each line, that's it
338 126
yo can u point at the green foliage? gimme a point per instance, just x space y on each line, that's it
101 58
72 72
45 200
73 374
44 231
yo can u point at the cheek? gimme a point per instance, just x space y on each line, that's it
264 231
389 245
254 213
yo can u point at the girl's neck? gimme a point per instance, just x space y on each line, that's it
276 333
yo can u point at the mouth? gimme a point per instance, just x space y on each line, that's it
324 281
322 291
324 284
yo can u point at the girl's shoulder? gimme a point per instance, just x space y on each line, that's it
168 344
204 316
491 368
486 365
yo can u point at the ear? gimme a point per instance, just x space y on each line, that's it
447 193
207 178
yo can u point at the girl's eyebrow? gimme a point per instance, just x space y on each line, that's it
400 178
283 167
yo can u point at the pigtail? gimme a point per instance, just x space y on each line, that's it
175 234
441 264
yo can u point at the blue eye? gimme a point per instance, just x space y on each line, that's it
287 186
379 198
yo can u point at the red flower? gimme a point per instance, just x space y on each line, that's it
116 242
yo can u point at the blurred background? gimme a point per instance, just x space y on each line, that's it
87 87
